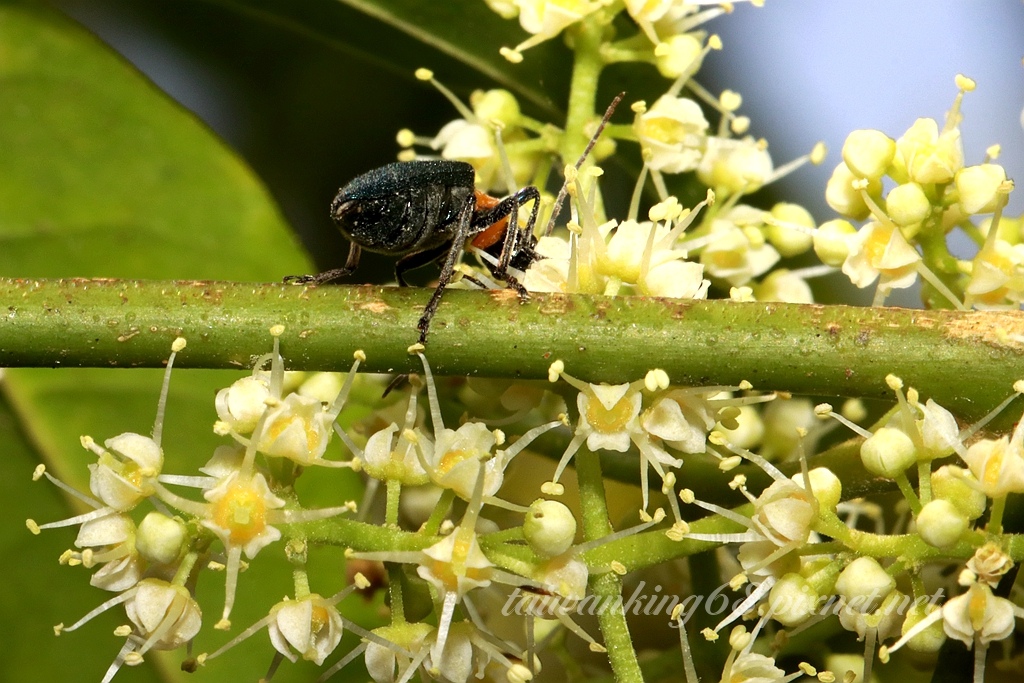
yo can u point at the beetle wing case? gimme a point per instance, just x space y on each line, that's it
404 206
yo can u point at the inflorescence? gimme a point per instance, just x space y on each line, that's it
465 492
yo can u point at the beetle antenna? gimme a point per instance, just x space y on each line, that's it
583 157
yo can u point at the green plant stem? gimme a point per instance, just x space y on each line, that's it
653 547
995 519
924 481
393 487
607 586
586 72
806 349
908 492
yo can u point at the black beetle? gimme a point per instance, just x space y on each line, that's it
427 210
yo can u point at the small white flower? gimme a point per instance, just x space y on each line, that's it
126 471
241 404
165 615
674 132
238 512
456 564
885 620
549 17
997 276
978 616
310 627
385 664
610 420
461 459
454 460
462 140
609 413
784 513
298 428
736 254
388 457
551 273
111 541
682 419
565 583
730 166
998 464
927 155
879 250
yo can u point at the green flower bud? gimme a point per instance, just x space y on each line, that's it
907 204
940 523
787 241
864 584
792 600
952 483
928 640
160 538
549 528
831 242
888 452
868 153
677 55
496 105
825 485
980 187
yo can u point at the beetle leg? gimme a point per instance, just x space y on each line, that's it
351 263
416 259
515 237
447 268
513 283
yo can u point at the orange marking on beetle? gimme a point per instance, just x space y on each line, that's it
496 231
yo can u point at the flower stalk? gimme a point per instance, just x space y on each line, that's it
809 349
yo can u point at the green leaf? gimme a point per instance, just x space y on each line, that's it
103 175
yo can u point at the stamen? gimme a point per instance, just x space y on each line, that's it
1018 388
464 111
435 407
96 611
231 585
684 643
346 660
91 502
444 624
161 404
755 596
339 401
570 451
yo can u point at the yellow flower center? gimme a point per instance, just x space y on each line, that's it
242 511
993 465
976 608
876 244
277 427
319 619
449 572
452 458
609 421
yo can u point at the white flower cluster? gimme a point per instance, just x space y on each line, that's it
934 193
